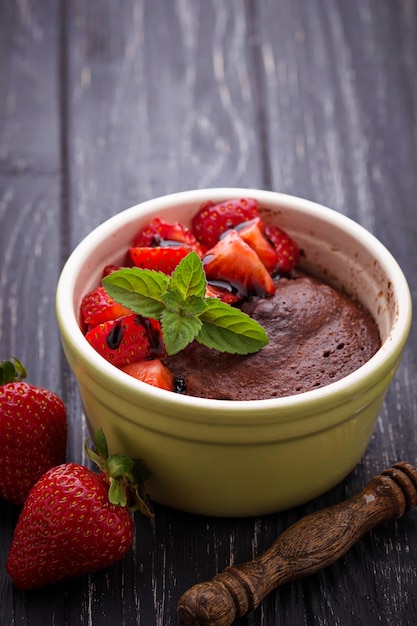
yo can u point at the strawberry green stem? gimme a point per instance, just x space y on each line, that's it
126 476
11 372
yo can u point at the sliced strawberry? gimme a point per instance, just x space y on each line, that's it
153 372
109 269
252 233
128 339
287 249
97 307
212 220
160 259
233 260
224 291
161 233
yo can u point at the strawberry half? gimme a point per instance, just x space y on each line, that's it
212 220
109 269
159 232
33 433
153 372
127 339
252 233
224 291
76 521
233 260
97 307
160 259
287 249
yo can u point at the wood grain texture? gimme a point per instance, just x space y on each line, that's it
308 546
104 104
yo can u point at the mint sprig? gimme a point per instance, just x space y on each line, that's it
186 314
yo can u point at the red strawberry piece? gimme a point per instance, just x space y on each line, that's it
127 339
224 291
252 233
109 269
160 259
97 307
233 260
161 233
33 432
287 249
72 523
153 372
212 220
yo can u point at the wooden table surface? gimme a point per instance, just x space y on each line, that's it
104 104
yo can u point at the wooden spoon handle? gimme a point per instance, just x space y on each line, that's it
309 545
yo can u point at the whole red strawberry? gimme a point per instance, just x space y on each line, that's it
76 521
33 432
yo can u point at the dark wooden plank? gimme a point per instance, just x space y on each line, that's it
30 185
160 99
30 228
340 94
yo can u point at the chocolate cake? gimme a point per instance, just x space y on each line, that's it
317 335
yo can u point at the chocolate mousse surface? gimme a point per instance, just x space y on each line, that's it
317 335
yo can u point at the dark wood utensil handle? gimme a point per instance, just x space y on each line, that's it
309 545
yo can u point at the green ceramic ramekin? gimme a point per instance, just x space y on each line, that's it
229 458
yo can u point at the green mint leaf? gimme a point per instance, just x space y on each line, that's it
178 330
189 278
227 329
193 305
140 290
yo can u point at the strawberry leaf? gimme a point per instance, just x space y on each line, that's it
11 371
140 290
230 330
100 443
126 476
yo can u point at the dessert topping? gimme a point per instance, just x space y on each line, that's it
161 233
236 262
161 259
212 220
126 339
179 302
153 372
97 307
183 285
287 249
